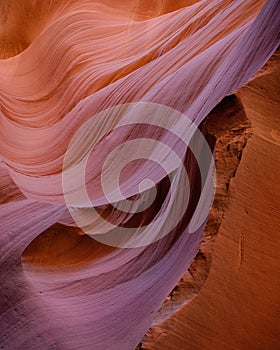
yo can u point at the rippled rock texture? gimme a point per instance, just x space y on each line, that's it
231 290
112 113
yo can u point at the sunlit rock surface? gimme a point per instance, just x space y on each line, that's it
135 89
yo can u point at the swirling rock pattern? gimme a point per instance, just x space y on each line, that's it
238 306
110 65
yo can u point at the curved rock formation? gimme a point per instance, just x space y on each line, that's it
102 136
238 306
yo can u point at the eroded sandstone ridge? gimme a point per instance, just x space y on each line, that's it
231 127
239 248
111 114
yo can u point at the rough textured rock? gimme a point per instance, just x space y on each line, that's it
232 129
238 306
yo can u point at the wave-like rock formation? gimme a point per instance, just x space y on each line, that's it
107 172
238 305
